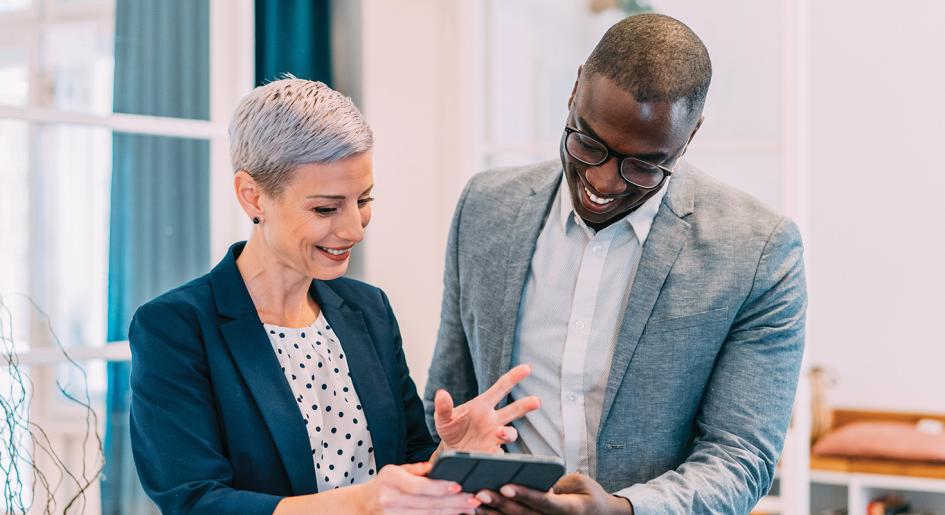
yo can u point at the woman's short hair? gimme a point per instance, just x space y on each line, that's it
292 122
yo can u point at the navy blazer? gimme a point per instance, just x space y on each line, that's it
215 427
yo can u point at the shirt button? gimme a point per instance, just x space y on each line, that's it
572 397
579 324
597 249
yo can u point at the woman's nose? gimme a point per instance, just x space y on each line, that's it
605 178
350 226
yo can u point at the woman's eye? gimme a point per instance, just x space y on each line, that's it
325 210
365 201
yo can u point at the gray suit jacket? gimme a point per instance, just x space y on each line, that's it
706 364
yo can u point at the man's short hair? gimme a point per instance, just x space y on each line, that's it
655 58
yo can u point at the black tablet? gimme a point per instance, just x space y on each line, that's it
476 471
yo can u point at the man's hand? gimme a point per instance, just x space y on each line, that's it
477 425
573 494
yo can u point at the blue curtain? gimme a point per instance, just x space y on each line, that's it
293 36
159 222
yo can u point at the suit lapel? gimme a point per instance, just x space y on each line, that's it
367 373
667 237
252 352
522 239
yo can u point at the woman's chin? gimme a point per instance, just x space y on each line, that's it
328 271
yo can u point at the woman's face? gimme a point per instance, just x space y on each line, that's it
320 215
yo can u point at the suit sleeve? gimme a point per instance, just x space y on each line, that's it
175 435
748 401
452 366
419 443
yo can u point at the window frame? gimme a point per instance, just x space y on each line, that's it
231 76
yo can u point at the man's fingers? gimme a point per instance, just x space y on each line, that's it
570 484
443 406
504 385
518 408
501 504
540 502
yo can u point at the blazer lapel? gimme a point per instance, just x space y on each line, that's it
251 350
662 247
249 345
522 238
367 374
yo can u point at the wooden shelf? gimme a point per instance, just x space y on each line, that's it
876 466
865 478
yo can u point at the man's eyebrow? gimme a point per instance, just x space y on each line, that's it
653 157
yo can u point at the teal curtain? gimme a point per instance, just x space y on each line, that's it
293 36
159 222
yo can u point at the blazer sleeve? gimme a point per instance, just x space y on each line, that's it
175 434
419 444
748 401
451 368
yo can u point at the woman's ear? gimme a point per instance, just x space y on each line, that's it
249 195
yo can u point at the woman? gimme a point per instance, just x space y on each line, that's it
274 385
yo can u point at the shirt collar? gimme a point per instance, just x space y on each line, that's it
640 220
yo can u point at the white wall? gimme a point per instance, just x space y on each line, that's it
409 83
874 81
878 244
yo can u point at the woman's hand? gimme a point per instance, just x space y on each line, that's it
403 489
477 425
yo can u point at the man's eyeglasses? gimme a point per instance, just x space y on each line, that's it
591 152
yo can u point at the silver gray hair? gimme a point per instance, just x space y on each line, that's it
292 122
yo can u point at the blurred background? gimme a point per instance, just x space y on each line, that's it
115 185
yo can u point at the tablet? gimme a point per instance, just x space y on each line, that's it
476 471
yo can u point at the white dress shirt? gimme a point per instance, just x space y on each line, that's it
572 305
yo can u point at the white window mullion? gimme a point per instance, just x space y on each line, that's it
231 77
120 122
33 356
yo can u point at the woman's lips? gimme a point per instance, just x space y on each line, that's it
335 254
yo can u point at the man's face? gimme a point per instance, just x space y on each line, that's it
656 132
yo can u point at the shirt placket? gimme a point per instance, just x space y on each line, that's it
584 302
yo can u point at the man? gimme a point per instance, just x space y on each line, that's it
662 311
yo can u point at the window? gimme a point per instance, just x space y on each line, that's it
65 131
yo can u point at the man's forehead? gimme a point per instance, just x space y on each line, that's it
613 113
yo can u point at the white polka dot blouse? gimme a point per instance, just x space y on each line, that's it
316 368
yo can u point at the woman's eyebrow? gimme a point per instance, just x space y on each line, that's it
340 197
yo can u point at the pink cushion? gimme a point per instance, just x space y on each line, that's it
889 440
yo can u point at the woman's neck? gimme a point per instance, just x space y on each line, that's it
279 293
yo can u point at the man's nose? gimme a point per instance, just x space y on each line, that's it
605 178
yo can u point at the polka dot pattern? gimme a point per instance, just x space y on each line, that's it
316 368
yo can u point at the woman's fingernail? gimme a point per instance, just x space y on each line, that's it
484 497
507 491
455 488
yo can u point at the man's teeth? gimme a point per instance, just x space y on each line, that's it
334 252
597 200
